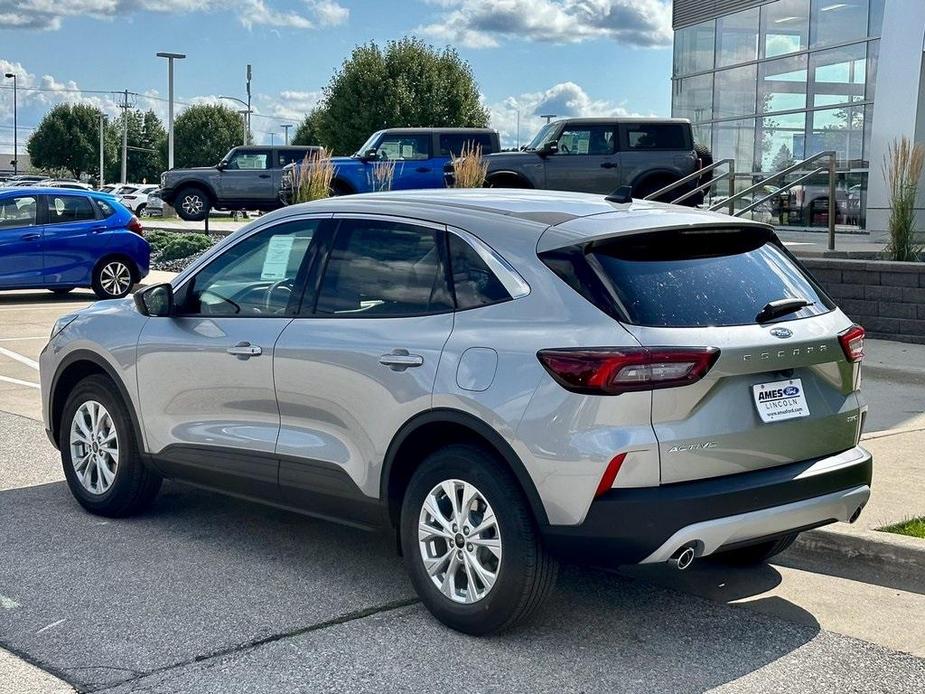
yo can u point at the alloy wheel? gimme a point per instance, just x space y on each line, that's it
115 278
460 541
192 204
94 447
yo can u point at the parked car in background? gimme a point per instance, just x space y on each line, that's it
155 205
248 178
60 239
418 156
68 183
136 198
599 155
494 377
23 180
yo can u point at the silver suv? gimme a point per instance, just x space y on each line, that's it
499 377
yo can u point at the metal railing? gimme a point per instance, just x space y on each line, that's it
729 202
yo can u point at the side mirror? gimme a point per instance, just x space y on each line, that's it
372 153
155 301
550 148
222 165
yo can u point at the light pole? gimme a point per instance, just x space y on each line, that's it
15 162
170 58
245 114
548 116
285 127
249 112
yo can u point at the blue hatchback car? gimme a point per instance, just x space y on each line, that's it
60 239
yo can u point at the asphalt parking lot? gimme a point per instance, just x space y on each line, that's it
206 593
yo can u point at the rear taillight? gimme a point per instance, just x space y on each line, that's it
852 342
135 225
615 370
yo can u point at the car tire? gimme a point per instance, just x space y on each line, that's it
113 278
61 290
752 555
140 211
518 581
105 483
192 204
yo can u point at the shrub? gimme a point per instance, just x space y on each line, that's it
902 168
470 167
313 178
158 239
184 246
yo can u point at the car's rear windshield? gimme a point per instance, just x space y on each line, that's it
694 278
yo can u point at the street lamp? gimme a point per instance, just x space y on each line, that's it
170 58
15 162
548 116
285 127
245 113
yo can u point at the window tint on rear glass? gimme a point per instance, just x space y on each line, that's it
106 210
383 269
474 283
655 136
69 208
451 144
697 278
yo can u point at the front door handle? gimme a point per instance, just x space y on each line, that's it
98 230
264 175
30 237
422 169
609 165
401 359
245 350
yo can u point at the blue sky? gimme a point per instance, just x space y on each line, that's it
571 57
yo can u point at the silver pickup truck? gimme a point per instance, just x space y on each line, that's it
247 178
599 155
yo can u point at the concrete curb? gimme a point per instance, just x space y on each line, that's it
881 551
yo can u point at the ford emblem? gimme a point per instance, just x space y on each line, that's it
782 333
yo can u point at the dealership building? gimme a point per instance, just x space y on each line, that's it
772 82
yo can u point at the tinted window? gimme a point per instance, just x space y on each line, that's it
69 208
379 268
685 279
594 139
106 210
255 277
291 156
404 147
656 136
451 144
18 212
474 283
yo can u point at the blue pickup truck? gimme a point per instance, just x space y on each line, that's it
419 155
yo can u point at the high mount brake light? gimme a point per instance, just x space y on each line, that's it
852 342
615 370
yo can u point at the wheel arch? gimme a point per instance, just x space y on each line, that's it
506 174
75 367
201 185
339 182
118 255
430 430
654 174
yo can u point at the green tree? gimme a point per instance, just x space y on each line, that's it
306 132
408 83
147 148
203 134
67 138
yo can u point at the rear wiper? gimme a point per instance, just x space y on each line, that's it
780 307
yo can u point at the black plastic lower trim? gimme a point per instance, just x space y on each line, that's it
624 526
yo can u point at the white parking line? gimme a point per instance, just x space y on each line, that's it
16 381
16 356
35 307
18 339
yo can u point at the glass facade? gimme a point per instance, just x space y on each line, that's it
775 84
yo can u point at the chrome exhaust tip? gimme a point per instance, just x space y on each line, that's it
682 558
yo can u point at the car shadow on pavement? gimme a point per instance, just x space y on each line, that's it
39 297
101 601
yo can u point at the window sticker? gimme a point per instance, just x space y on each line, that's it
277 259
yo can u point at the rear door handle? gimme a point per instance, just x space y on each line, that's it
30 237
422 169
245 350
401 359
98 230
608 165
264 175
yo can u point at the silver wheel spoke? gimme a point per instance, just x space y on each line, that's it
426 532
493 545
434 566
94 447
448 588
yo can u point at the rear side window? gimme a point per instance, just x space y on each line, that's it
381 269
106 210
694 278
649 136
451 144
69 208
474 283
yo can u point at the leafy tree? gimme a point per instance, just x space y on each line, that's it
68 138
408 83
783 159
203 134
147 148
306 132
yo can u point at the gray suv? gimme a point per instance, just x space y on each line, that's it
247 178
501 378
599 155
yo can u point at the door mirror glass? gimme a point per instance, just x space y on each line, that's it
550 148
156 301
371 154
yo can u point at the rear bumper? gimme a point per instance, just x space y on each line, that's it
648 524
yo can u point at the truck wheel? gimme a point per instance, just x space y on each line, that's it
756 554
192 204
470 544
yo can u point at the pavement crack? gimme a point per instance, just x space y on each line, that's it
257 643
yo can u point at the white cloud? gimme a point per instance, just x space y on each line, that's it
49 14
565 99
486 23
